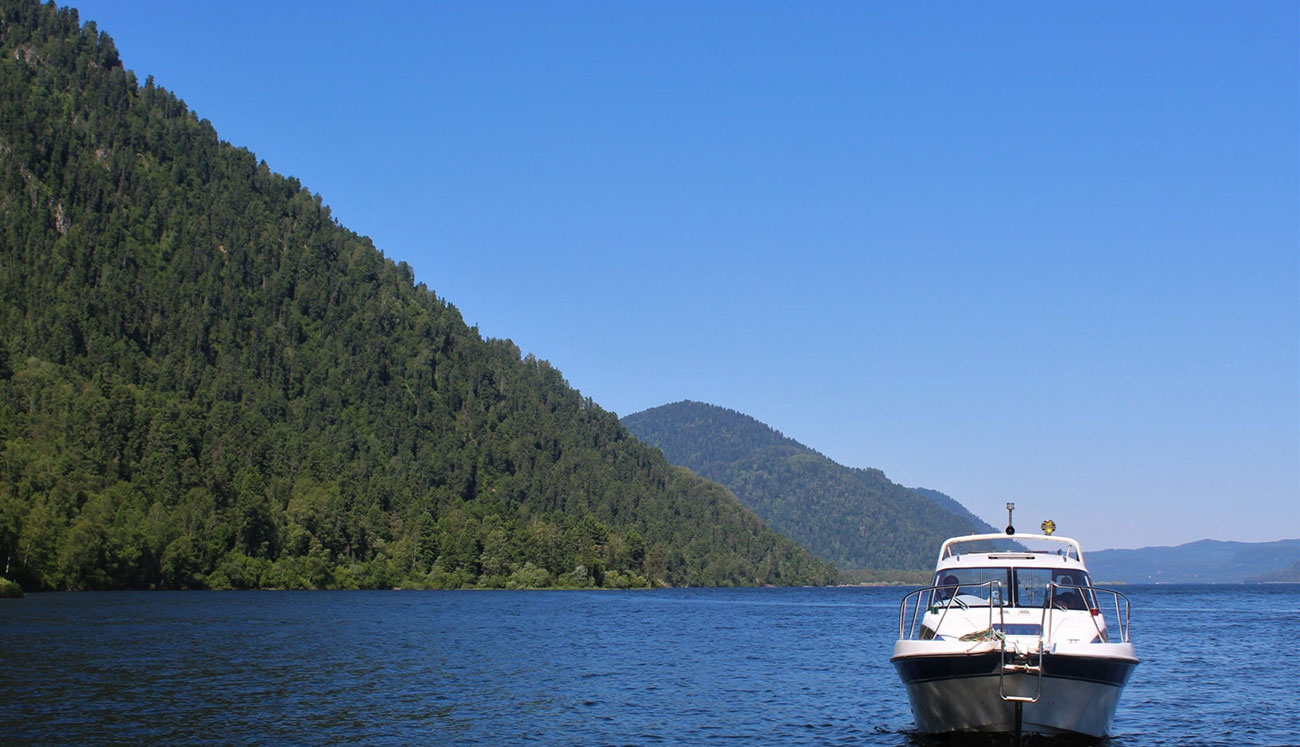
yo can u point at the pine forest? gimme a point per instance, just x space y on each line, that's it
207 382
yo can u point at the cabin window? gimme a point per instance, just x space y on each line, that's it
1064 589
1067 589
972 587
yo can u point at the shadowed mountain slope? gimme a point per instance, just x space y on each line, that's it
950 504
856 518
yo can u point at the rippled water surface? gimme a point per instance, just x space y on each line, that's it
674 666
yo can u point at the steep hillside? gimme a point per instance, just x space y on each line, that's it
855 518
1201 562
206 381
950 504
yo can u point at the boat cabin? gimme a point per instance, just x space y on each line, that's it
1022 585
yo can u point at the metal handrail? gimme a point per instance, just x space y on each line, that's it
907 623
1089 595
907 631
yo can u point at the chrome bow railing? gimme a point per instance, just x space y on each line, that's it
1097 601
943 598
991 595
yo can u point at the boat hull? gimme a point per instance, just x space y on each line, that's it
963 693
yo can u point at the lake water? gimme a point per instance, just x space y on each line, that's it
784 666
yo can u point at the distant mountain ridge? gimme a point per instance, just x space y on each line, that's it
1200 562
856 518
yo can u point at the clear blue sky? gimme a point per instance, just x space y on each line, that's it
1036 252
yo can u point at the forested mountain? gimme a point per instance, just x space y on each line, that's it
855 518
1200 562
950 504
206 381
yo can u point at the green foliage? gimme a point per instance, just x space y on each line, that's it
207 382
855 518
9 588
529 576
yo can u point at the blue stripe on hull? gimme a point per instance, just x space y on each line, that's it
1114 672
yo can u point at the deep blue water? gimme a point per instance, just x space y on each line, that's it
633 667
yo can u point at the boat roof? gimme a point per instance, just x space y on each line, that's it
1040 550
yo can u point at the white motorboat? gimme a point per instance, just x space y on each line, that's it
1013 637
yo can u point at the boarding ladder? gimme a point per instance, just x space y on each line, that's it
1015 661
1030 663
1018 662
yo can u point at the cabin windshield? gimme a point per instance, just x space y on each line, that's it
1072 590
972 587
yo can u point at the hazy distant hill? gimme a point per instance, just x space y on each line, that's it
856 518
206 381
1205 561
1286 575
